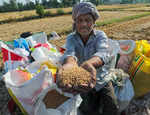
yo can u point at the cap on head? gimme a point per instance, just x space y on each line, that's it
85 8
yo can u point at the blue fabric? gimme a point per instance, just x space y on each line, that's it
97 45
21 43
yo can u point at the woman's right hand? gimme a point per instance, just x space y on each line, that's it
69 63
67 88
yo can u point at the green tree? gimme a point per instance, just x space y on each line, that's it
29 6
66 3
6 7
20 6
75 1
96 2
37 2
40 10
44 3
13 5
53 4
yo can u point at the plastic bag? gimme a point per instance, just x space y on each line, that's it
126 46
54 36
124 94
47 53
122 86
140 68
11 59
26 93
70 107
126 54
114 50
20 77
36 38
21 43
37 66
22 52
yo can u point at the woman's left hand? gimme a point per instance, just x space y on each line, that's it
90 68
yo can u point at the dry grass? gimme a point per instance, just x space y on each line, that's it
58 24
109 15
138 9
54 10
134 29
16 15
21 14
13 30
120 6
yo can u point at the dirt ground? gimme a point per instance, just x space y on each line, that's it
136 29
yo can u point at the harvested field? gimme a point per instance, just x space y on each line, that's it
21 14
138 9
47 25
125 6
15 15
109 15
136 29
58 24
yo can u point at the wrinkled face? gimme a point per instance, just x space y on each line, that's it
85 24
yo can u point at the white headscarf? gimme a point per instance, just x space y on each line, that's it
84 8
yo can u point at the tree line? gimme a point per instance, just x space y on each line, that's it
13 5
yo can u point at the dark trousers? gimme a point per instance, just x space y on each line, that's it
101 102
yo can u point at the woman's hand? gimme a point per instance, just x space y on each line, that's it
90 68
69 63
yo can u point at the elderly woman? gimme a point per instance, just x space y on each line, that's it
88 48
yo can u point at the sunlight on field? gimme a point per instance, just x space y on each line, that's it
120 6
21 14
58 24
15 15
108 15
138 9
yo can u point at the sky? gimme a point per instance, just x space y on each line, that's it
24 1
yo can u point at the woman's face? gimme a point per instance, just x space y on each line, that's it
85 24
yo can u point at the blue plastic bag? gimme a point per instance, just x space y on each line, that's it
21 43
124 94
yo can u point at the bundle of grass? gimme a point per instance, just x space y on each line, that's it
77 78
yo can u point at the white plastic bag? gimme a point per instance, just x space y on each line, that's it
54 36
22 52
67 108
36 38
39 54
114 49
126 54
122 86
43 53
124 94
26 94
126 46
